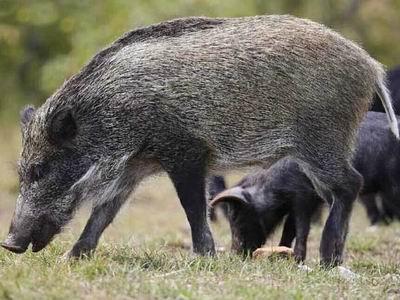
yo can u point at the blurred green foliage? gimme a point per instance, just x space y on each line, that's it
43 42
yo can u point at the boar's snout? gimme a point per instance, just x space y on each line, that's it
19 235
16 244
40 237
26 229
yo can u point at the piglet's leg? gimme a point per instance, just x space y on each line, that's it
302 231
369 201
289 231
304 211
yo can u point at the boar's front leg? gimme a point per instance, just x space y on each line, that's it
189 184
107 205
186 166
101 216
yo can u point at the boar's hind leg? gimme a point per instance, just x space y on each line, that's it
339 186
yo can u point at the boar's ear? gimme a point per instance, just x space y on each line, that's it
233 195
62 127
26 115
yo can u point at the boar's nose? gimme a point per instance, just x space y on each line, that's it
15 244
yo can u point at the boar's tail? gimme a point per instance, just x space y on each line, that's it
383 93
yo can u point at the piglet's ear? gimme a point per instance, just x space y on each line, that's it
232 195
26 115
62 127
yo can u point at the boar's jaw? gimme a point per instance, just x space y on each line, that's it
16 244
44 233
36 247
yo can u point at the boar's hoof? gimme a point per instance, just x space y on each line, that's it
73 255
80 250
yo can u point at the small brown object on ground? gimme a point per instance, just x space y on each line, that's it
278 251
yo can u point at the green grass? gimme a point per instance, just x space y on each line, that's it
144 255
122 271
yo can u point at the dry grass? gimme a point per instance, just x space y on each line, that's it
143 255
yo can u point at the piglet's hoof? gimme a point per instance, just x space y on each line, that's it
279 251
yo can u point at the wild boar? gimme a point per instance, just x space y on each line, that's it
190 97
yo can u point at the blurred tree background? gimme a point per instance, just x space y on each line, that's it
43 42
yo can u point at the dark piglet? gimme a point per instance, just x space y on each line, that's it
260 201
380 210
191 97
377 158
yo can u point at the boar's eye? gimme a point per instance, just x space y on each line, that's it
36 172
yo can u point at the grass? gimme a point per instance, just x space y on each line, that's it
144 255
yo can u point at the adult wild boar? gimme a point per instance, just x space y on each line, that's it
191 96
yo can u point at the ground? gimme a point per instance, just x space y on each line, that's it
144 255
